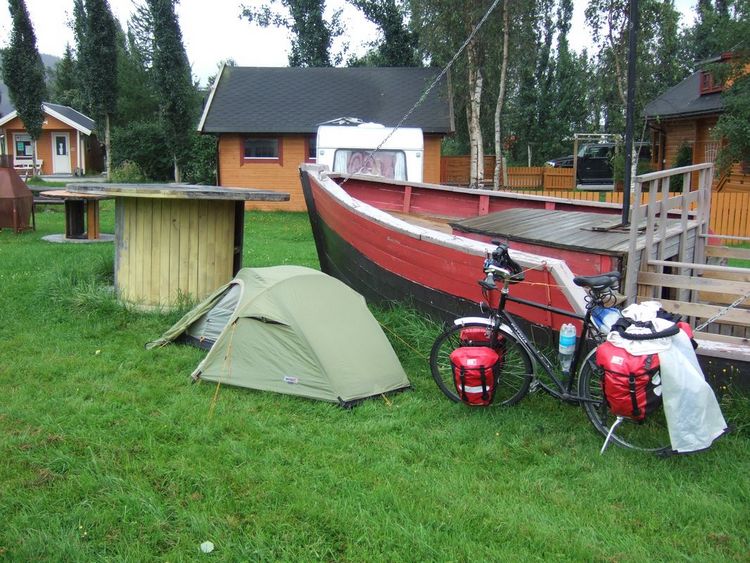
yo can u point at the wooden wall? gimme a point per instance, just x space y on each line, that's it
283 175
169 249
44 143
432 159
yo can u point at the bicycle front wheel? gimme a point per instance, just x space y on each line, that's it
650 435
515 373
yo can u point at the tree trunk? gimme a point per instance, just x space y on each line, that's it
108 146
34 171
499 158
177 171
475 132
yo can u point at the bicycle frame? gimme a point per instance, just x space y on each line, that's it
502 319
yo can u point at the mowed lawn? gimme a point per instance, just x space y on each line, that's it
109 452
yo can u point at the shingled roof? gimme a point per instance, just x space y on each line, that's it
684 100
297 100
66 114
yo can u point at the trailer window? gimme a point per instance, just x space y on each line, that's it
389 164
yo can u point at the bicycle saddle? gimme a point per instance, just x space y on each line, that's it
602 281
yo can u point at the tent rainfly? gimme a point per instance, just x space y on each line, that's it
292 330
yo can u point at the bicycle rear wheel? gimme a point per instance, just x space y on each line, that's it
651 435
515 373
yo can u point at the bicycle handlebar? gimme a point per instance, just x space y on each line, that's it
499 265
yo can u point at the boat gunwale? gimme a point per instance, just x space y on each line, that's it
559 269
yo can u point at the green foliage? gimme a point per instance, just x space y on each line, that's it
734 123
127 171
171 74
201 167
66 86
143 143
311 34
683 157
23 71
398 46
137 96
97 59
720 26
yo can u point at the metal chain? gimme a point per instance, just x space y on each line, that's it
723 311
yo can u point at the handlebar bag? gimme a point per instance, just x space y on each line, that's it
631 384
475 374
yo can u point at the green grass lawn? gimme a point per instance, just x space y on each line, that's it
108 452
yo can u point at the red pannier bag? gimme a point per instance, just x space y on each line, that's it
631 384
474 374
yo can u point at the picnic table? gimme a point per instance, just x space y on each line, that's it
175 241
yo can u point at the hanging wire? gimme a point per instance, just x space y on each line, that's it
429 88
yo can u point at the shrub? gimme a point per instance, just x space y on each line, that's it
145 144
200 165
127 172
684 157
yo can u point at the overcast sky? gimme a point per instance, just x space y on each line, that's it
212 30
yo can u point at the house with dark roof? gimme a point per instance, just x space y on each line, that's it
64 146
266 119
682 121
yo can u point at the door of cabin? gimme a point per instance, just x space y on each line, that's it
61 153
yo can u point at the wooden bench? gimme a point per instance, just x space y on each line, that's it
45 199
27 168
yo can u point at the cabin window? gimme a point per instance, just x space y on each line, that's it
709 85
311 152
24 149
261 148
389 164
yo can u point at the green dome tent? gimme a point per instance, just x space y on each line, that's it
291 330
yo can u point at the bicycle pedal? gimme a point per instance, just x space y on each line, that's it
534 386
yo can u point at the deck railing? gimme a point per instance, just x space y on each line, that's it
696 284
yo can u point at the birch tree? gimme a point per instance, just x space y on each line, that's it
500 171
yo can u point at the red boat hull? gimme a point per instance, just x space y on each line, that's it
387 260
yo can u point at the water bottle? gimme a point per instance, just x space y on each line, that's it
567 346
605 317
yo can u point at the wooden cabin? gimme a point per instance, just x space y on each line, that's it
266 119
64 147
681 121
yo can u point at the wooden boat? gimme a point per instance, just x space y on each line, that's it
399 241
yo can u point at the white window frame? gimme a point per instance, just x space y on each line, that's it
23 159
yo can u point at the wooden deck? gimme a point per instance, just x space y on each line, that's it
570 230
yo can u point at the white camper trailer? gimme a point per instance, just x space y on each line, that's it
349 149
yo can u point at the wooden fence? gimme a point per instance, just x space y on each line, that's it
730 211
454 171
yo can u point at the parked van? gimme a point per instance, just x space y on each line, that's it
349 149
594 170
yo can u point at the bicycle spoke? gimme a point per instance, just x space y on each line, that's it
651 434
515 368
